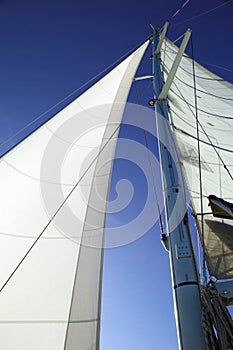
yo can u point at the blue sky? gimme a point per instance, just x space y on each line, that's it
51 48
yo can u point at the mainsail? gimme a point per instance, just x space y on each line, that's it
212 112
54 189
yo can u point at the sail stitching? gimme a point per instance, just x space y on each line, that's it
203 141
211 143
217 78
199 109
199 90
97 336
54 215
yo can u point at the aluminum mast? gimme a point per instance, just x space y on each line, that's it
186 290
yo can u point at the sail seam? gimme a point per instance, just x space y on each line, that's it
203 141
223 82
199 90
118 99
199 109
208 137
76 272
54 215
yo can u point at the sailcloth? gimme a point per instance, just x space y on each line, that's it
214 103
53 194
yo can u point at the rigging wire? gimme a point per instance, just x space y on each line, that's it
56 212
199 164
217 321
172 138
171 18
71 94
193 137
201 62
199 90
165 69
180 37
205 142
151 169
177 11
149 158
208 137
217 66
211 143
199 109
203 13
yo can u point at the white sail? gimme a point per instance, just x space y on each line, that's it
214 103
53 190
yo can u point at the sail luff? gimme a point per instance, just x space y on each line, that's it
67 160
75 334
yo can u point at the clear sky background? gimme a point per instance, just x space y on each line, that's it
49 49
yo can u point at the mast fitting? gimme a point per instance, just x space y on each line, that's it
172 73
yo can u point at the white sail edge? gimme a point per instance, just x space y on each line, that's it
214 102
58 284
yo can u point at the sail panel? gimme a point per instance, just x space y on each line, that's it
214 108
84 300
50 186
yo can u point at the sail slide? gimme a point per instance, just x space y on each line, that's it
54 189
215 156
